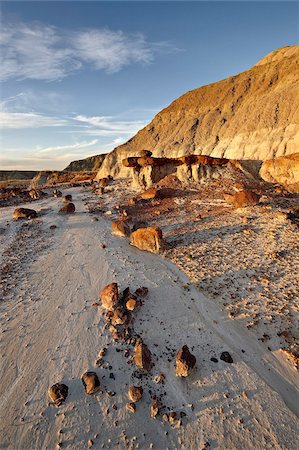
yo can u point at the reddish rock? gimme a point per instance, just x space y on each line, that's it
150 194
90 382
103 182
24 213
131 407
142 291
69 208
58 393
143 357
120 228
130 162
135 393
185 361
67 198
148 239
109 296
154 409
242 198
131 304
119 317
145 153
57 193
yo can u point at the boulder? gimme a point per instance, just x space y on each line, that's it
148 239
131 304
283 170
24 213
58 393
135 393
90 382
203 159
149 194
142 291
69 208
142 357
242 198
120 228
67 198
131 407
154 409
57 193
226 357
119 317
130 162
103 182
145 153
109 296
144 161
185 362
34 194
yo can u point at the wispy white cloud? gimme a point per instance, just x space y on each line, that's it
109 126
76 146
36 52
14 120
43 52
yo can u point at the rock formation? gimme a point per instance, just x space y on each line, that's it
135 393
69 208
142 357
149 239
24 213
120 228
109 296
185 362
242 198
90 382
58 393
252 115
89 164
67 198
57 193
283 170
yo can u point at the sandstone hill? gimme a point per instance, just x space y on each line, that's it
89 164
252 116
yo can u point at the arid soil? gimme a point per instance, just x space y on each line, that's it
53 327
245 259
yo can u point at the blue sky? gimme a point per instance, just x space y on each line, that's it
79 78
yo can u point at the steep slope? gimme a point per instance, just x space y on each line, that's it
253 115
89 164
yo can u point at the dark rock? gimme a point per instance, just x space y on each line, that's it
135 393
69 208
109 296
24 213
185 362
143 357
141 292
131 407
91 382
67 198
226 357
58 393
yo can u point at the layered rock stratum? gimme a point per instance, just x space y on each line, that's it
251 116
283 170
89 164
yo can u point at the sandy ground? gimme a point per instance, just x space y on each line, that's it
50 332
